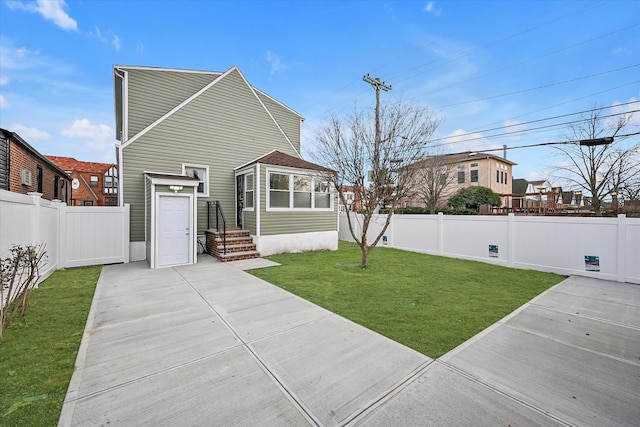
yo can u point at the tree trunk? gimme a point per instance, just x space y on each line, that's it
365 256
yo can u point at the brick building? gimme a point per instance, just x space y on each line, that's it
93 184
23 170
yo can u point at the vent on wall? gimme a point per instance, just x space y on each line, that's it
25 177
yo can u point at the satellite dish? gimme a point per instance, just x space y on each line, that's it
75 184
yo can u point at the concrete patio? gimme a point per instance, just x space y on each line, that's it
209 344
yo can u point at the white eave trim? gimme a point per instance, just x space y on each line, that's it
201 91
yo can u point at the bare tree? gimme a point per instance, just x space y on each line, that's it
367 154
598 169
433 176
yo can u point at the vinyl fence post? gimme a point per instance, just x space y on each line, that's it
621 265
440 232
511 241
35 227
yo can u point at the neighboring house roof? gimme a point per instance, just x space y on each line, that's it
567 197
71 164
33 151
540 183
519 186
278 158
466 157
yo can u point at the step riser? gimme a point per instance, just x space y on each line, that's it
239 245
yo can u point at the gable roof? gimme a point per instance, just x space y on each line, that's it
277 158
33 151
71 164
466 157
217 77
519 186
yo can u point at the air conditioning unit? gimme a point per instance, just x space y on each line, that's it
25 177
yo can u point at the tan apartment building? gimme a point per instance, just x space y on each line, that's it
467 169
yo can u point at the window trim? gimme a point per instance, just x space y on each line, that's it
205 180
471 176
314 178
253 191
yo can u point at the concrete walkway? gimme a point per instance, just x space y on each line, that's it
209 344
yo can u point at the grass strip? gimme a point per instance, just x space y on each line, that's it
429 303
38 353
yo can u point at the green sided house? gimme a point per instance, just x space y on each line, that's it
198 147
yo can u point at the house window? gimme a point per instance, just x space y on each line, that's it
474 165
461 177
322 195
56 184
498 176
87 203
443 179
301 192
248 191
111 181
201 173
39 178
292 191
93 180
111 201
278 190
474 175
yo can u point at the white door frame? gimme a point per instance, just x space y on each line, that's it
156 229
158 185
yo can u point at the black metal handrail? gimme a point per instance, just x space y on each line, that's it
219 214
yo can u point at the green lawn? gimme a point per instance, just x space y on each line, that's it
38 353
429 303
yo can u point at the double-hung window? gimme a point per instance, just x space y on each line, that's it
474 175
294 191
322 195
279 190
248 191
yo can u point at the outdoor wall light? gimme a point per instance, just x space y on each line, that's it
175 188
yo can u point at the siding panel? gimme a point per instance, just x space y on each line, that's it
153 93
223 128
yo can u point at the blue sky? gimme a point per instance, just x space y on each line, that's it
479 65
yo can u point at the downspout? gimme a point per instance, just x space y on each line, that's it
123 135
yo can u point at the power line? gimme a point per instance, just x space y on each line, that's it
541 87
538 121
542 144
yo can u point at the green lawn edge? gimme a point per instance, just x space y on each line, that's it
38 353
429 303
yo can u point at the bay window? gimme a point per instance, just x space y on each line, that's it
294 191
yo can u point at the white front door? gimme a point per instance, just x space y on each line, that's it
174 233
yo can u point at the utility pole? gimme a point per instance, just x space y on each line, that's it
377 85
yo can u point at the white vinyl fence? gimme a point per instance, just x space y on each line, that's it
74 236
606 248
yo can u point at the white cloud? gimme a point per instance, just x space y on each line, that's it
431 8
461 141
3 103
52 10
108 38
622 51
29 134
511 126
618 108
276 64
16 58
97 137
